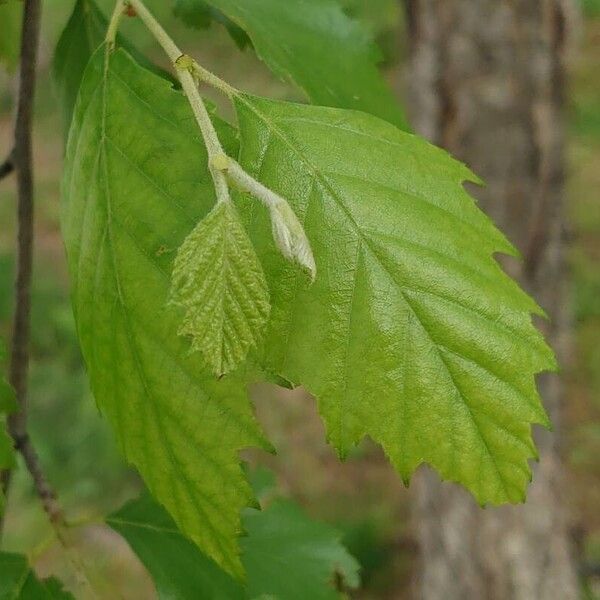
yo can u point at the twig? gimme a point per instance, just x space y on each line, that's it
22 162
184 66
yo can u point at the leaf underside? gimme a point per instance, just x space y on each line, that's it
218 280
412 333
136 183
317 47
81 37
285 554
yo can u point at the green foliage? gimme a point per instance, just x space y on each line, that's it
10 33
82 35
286 555
200 15
177 566
415 336
411 333
313 44
591 7
135 185
218 280
290 557
8 405
19 582
377 15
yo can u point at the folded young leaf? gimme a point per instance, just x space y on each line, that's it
218 280
286 555
314 45
19 582
412 333
136 183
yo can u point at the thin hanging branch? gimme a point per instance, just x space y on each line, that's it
21 161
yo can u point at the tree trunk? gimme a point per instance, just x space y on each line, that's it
486 82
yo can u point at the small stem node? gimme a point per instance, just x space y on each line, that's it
184 63
220 162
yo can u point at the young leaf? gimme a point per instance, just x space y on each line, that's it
83 34
286 555
412 333
136 183
313 44
19 582
219 282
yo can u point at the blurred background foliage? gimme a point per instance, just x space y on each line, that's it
363 497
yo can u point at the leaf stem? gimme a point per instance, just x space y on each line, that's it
246 182
211 79
115 20
288 232
186 70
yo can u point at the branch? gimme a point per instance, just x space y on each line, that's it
22 162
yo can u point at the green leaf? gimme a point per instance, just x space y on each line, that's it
314 45
8 401
199 15
83 34
7 458
218 280
286 555
136 184
412 333
10 33
179 570
19 582
290 557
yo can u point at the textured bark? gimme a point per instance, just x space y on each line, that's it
486 82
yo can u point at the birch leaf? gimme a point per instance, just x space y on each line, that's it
412 333
129 201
